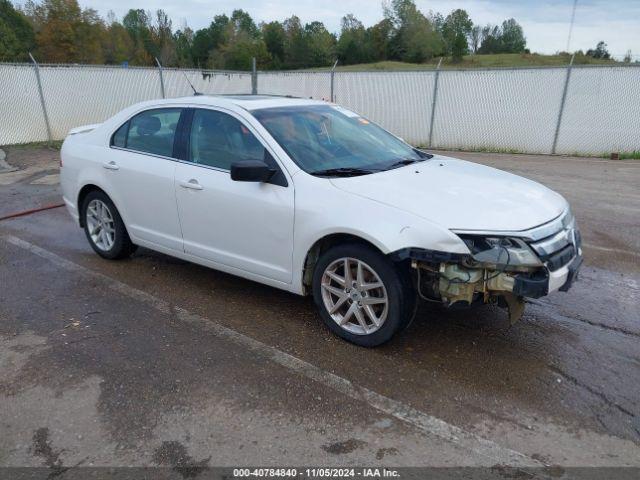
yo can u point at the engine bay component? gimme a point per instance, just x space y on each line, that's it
455 284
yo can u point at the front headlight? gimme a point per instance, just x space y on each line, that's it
500 252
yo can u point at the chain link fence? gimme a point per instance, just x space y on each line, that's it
75 95
588 110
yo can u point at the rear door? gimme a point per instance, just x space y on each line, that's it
244 225
141 168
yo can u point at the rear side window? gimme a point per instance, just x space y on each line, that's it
218 140
152 131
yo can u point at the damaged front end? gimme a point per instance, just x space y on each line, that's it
500 270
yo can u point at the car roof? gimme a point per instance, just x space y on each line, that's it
247 102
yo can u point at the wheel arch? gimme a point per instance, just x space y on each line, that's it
322 245
82 194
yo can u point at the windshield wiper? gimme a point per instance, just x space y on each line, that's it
344 172
404 161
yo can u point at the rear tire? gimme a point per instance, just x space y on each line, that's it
361 295
104 227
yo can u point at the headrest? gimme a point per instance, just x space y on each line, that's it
148 125
210 124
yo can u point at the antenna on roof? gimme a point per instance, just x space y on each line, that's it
195 92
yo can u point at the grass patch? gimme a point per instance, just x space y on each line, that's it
635 155
478 150
54 145
504 60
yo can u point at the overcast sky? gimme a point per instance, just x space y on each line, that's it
545 22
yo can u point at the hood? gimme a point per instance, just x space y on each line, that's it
460 195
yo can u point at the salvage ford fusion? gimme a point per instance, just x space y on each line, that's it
312 198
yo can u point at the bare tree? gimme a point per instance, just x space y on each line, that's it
475 38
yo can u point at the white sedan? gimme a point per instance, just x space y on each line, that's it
312 198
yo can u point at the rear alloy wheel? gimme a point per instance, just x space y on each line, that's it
104 227
100 224
361 295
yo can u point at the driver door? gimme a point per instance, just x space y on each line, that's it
244 225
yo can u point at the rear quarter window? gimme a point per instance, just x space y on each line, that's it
119 138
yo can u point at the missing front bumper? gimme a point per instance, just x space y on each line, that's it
458 284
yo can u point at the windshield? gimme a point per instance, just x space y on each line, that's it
327 139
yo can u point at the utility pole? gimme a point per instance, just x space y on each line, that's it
433 101
161 77
254 77
333 73
562 102
573 17
42 102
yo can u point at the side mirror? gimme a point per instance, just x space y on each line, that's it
251 171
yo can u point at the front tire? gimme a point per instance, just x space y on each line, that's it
104 227
361 295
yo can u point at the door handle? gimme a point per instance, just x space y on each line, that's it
111 165
191 184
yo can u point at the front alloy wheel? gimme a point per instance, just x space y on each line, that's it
361 295
354 296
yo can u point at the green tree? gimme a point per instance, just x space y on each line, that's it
90 33
239 51
183 40
378 38
321 44
512 39
490 39
456 29
16 34
164 48
508 38
414 38
237 43
600 51
138 24
119 46
200 47
354 44
274 38
295 46
207 40
242 22
65 33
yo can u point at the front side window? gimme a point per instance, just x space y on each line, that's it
152 131
218 140
325 137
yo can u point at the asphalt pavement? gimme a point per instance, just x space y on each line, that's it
156 361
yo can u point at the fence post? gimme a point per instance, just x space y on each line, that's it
161 77
333 73
44 105
433 102
254 77
560 112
